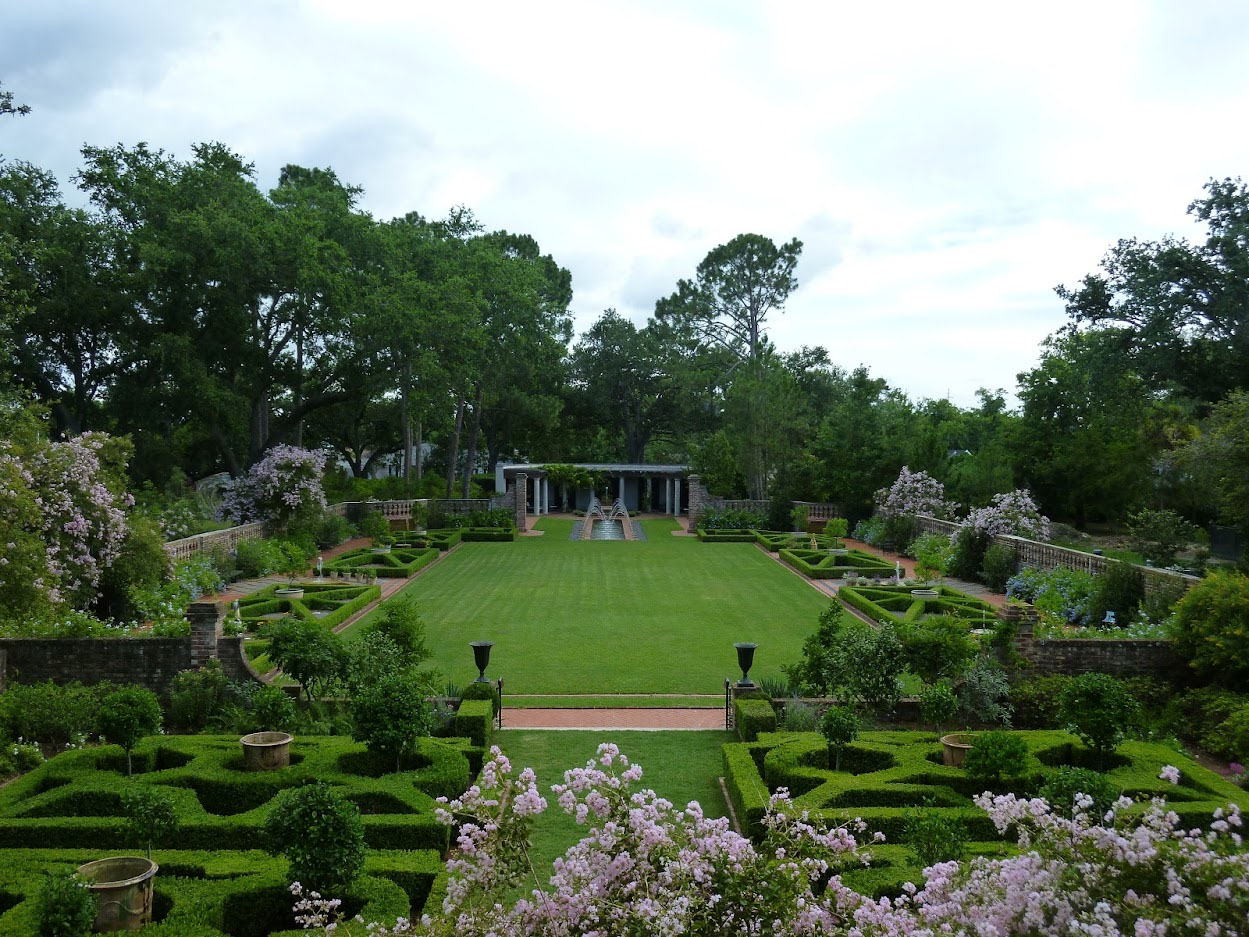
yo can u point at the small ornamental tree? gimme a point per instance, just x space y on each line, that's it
996 756
1211 628
937 704
840 726
1159 534
283 486
126 716
307 652
320 833
1100 710
914 493
65 906
389 715
150 815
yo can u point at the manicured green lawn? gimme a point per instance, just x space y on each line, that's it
680 766
659 616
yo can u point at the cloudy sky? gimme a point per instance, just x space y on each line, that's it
945 165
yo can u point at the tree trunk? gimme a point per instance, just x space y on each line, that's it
299 386
471 455
420 452
453 450
406 428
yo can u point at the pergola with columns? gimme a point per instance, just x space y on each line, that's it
665 486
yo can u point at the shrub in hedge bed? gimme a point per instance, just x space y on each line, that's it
74 800
329 604
753 716
474 720
887 774
399 563
215 893
896 605
488 534
727 535
818 564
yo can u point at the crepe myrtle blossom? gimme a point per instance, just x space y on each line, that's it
1011 514
914 493
62 520
648 867
285 483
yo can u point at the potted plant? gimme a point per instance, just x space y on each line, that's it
834 530
294 564
123 884
266 751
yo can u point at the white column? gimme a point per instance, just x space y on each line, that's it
620 487
676 497
541 495
546 494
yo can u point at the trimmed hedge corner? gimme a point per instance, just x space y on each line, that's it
474 720
818 564
753 716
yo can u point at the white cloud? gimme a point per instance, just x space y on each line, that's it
945 166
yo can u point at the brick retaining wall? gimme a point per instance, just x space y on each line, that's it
1120 657
149 662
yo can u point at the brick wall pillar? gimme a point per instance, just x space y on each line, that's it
520 490
207 620
1024 617
696 498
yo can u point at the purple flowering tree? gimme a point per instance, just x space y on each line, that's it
1012 514
914 493
283 485
647 867
62 521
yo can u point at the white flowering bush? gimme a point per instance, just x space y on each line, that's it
1011 514
647 867
62 522
914 493
283 485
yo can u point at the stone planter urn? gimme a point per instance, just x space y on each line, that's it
379 551
266 751
954 748
925 593
289 592
123 891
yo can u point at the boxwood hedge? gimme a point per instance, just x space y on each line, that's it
329 603
240 893
74 800
887 774
820 564
896 604
399 563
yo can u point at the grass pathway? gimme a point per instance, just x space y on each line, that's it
612 617
680 766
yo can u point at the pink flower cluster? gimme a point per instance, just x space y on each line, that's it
646 867
284 483
64 509
1012 514
914 493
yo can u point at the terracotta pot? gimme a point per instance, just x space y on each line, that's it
954 748
123 891
925 593
266 751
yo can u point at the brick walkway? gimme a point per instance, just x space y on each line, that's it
645 719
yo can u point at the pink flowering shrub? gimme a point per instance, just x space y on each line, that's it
914 493
1012 514
647 867
62 521
283 485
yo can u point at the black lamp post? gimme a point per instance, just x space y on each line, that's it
745 660
481 657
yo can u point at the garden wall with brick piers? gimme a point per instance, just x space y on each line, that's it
149 662
1120 657
229 538
1047 556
